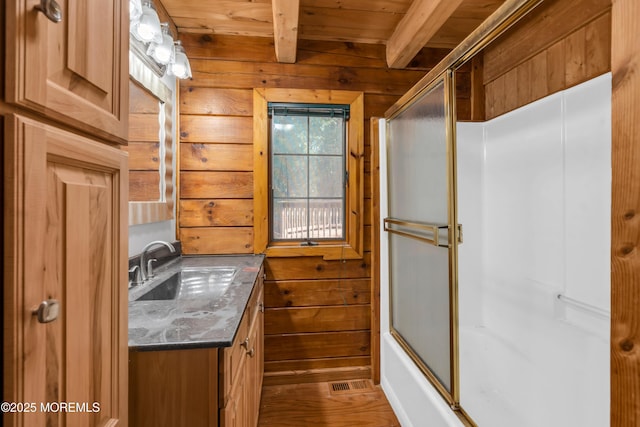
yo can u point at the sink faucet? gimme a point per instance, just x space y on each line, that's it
143 267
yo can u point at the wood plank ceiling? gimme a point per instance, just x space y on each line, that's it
404 26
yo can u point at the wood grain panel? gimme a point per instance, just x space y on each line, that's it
144 127
144 186
316 268
317 375
302 293
294 76
144 156
544 26
316 319
625 224
212 185
217 102
216 213
310 52
216 157
141 100
357 26
308 364
218 240
219 129
191 374
316 345
576 58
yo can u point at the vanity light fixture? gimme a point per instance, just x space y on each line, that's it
147 29
164 52
135 10
180 66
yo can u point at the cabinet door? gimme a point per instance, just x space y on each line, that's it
74 71
65 240
233 414
255 360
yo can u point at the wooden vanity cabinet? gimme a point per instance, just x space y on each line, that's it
202 387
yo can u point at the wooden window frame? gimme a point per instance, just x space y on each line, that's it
353 245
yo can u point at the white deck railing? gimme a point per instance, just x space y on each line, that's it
325 222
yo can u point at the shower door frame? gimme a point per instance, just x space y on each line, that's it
453 237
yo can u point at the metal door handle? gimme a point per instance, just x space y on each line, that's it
47 311
51 9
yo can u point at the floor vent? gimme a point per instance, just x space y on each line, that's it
340 387
357 386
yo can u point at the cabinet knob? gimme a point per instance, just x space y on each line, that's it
47 311
51 9
251 352
245 343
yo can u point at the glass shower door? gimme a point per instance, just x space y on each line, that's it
421 219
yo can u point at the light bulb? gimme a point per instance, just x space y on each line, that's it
148 28
180 66
163 52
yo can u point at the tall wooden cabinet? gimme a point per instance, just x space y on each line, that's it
64 115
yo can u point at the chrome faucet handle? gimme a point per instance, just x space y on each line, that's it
137 276
150 272
143 254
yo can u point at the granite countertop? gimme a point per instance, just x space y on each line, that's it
184 322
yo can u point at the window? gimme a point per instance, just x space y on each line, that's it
308 173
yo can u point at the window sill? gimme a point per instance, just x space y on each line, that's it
327 252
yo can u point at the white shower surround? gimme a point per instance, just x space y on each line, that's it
534 192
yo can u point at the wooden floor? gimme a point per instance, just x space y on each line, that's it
317 404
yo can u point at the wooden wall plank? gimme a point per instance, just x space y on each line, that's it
216 157
144 156
303 293
144 186
215 101
220 129
212 185
294 76
216 213
316 268
310 52
598 45
578 56
307 364
556 79
290 320
625 223
545 25
217 240
316 345
144 127
141 100
317 375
